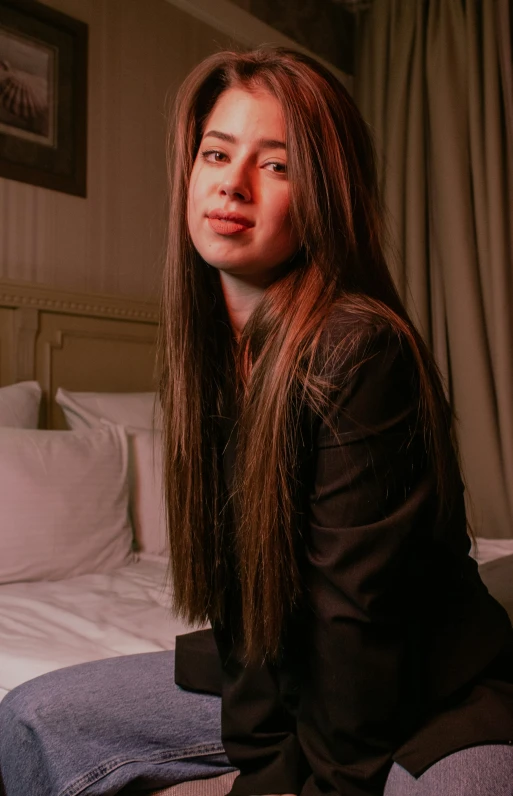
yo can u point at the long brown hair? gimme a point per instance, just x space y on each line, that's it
336 212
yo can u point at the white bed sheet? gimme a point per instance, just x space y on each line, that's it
49 625
490 549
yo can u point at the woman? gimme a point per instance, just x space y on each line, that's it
315 505
336 549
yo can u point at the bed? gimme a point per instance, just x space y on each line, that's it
77 388
77 404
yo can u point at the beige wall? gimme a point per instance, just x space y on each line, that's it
325 27
112 241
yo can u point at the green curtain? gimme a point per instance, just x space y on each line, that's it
433 78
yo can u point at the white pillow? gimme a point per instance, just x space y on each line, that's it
63 503
146 495
19 405
86 409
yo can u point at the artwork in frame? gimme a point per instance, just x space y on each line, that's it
43 96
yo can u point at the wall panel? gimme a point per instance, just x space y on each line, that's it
112 241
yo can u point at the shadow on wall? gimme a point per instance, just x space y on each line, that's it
323 26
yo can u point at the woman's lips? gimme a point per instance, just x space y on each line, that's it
225 227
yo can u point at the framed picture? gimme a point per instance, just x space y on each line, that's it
43 96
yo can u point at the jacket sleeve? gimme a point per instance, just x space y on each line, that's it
258 732
371 507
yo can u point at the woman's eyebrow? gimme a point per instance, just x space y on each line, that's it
263 143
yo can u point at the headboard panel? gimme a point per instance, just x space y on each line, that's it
79 342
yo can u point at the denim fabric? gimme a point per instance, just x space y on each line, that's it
99 727
94 728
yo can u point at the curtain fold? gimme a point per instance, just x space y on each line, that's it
432 80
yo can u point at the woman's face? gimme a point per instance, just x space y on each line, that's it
238 199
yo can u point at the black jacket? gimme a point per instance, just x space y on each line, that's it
399 652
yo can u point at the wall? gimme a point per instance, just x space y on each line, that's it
324 27
111 242
308 28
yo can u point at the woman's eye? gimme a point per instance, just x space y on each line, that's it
277 167
213 155
216 156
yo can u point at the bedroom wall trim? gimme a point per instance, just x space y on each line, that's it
78 341
38 297
247 29
25 322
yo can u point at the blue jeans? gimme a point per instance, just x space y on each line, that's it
95 728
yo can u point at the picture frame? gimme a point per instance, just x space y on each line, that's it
43 96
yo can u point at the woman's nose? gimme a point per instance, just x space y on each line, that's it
235 184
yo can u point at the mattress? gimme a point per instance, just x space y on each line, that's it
48 625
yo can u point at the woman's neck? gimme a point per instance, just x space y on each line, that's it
241 298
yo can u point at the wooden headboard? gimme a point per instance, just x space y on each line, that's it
76 341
